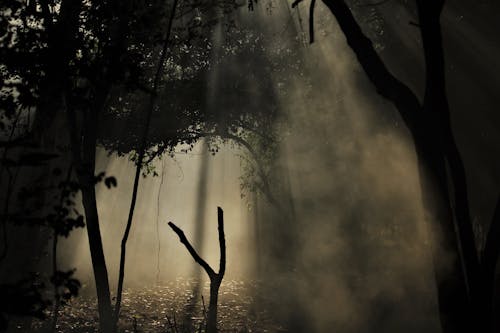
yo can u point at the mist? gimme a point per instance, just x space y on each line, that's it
346 171
324 211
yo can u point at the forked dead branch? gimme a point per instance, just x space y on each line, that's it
215 278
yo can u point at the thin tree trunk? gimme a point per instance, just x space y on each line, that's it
158 240
55 313
142 148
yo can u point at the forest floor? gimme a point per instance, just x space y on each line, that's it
169 307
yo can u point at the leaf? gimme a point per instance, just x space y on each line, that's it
99 177
110 182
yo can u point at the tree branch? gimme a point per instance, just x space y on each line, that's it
222 242
142 149
211 273
387 85
311 21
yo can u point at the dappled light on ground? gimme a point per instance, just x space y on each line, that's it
162 308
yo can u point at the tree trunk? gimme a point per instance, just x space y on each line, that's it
425 130
57 302
212 306
83 149
215 278
142 149
97 255
486 290
451 286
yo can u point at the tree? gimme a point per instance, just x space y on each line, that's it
93 56
459 294
139 161
215 278
82 50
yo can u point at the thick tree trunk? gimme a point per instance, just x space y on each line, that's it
436 110
426 129
83 149
97 255
451 286
86 177
431 137
486 290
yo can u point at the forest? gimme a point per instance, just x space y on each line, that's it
189 166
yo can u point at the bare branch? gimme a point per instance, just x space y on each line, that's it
222 243
192 251
311 21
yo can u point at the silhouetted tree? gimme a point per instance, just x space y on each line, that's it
142 149
465 283
63 58
215 278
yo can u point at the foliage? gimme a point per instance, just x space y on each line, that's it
23 298
68 61
66 286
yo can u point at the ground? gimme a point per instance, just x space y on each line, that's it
166 308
